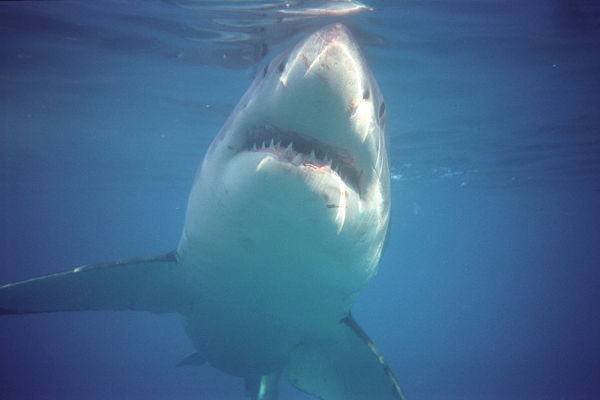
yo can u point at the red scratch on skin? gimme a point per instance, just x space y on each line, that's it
305 61
352 107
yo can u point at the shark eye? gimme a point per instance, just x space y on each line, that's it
381 109
366 93
264 71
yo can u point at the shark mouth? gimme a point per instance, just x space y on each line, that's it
303 150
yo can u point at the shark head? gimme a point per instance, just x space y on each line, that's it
304 157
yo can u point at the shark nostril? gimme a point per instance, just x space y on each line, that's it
366 93
281 66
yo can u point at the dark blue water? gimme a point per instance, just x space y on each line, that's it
490 285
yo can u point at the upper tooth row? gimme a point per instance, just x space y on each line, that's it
288 152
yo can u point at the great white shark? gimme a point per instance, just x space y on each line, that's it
287 219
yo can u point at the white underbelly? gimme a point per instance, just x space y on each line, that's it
270 262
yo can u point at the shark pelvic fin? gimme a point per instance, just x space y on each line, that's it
157 284
345 366
263 387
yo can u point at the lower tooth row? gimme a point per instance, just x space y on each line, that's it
288 152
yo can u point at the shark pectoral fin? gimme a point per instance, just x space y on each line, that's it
263 387
344 367
193 359
156 284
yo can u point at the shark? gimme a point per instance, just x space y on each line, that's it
287 219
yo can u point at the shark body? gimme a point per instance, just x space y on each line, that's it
286 221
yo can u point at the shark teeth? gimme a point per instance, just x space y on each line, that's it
304 150
288 150
296 158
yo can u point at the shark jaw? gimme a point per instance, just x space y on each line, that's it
307 152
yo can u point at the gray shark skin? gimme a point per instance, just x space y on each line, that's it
286 221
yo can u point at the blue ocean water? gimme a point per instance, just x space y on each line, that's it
489 288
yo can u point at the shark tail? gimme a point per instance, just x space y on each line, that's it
157 284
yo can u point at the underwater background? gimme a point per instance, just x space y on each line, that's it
489 287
